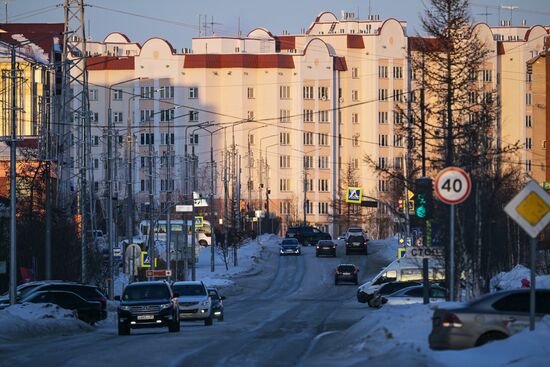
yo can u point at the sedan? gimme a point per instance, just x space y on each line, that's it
415 294
387 288
87 311
325 247
346 273
290 246
492 317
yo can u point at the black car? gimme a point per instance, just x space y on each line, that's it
307 235
148 305
290 246
87 311
86 291
346 273
356 244
325 247
217 303
387 288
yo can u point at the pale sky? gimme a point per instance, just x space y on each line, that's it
177 20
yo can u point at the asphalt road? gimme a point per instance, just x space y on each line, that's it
280 316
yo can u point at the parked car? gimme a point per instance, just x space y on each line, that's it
492 317
194 301
86 291
24 289
217 303
148 305
356 244
346 273
87 311
307 235
290 246
325 247
385 289
356 231
415 294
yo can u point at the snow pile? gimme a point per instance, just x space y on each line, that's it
37 319
387 248
513 278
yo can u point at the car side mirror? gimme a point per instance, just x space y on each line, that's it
176 294
117 298
222 298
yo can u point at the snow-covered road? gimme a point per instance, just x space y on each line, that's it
275 316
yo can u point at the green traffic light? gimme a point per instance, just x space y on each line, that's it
421 212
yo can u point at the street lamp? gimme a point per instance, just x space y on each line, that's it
267 192
250 160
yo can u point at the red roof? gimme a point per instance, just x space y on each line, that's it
219 61
425 44
41 35
340 63
111 63
355 41
287 42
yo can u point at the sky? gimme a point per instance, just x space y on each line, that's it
177 21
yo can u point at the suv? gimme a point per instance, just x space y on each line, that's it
346 273
356 231
194 302
148 305
307 235
357 244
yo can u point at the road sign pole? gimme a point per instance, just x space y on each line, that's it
452 255
532 290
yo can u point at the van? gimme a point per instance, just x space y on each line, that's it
401 270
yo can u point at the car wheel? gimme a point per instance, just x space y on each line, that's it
375 302
490 337
208 322
123 329
174 327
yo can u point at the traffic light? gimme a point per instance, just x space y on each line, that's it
423 198
400 207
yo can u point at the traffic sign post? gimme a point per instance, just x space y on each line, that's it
452 186
530 209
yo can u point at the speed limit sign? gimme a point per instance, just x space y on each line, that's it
453 185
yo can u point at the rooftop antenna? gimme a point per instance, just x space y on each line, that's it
487 15
212 24
511 8
370 9
239 26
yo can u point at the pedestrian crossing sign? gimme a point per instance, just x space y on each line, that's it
199 221
145 259
354 195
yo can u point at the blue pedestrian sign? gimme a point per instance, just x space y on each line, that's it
354 195
199 221
145 259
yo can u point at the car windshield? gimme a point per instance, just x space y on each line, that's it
325 243
355 230
292 230
146 291
346 268
289 242
190 289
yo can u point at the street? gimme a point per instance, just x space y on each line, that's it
277 317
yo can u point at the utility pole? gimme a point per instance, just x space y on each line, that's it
129 174
305 194
13 186
226 193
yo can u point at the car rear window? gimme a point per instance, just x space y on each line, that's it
189 289
325 242
146 292
356 238
346 268
290 242
84 291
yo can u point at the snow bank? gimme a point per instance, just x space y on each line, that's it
513 278
28 320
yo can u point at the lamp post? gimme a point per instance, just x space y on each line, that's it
250 160
267 191
304 154
110 182
260 186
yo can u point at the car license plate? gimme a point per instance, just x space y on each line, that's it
146 317
356 244
290 235
347 273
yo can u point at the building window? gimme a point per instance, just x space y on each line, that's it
284 92
355 140
398 141
382 162
383 140
284 184
399 162
528 99
308 115
284 207
472 97
528 165
487 75
308 92
193 93
398 72
250 93
167 138
193 139
309 183
382 117
354 95
250 115
487 97
309 207
398 95
529 77
323 139
117 117
323 93
354 73
398 117
117 94
284 161
528 121
383 72
93 94
323 208
308 161
284 138
323 162
355 163
323 116
382 94
193 116
284 115
96 163
167 115
528 143
323 185
354 118
94 117
147 92
308 138
166 92
146 115
382 185
147 138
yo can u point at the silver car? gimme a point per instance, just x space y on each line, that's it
491 317
194 302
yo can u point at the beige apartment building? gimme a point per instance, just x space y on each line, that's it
288 113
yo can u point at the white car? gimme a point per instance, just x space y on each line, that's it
356 231
194 302
415 294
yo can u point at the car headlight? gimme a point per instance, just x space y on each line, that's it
165 306
124 308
